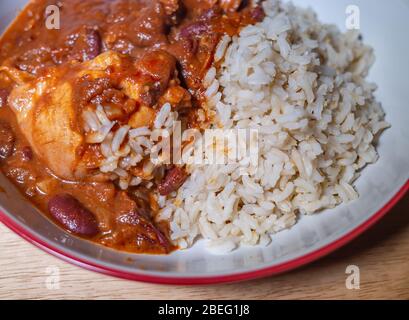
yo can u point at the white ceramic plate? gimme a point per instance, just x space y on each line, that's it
384 26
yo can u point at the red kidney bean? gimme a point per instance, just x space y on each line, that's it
163 241
140 196
258 14
7 140
190 34
27 154
86 46
173 180
93 39
155 234
195 29
72 215
151 232
3 97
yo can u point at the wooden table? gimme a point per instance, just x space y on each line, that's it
382 254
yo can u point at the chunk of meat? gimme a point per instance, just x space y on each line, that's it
47 116
178 97
136 24
101 91
50 109
72 215
150 234
134 216
173 180
159 65
7 140
195 29
155 69
90 89
144 117
97 67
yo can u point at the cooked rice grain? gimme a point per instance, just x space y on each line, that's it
302 85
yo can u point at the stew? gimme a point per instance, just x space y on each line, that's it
130 56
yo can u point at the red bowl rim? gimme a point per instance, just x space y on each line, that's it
269 271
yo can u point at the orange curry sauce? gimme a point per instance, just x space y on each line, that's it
172 42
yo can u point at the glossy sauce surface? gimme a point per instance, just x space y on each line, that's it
164 47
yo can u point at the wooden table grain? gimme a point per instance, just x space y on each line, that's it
382 255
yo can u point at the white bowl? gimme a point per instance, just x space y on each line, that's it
384 26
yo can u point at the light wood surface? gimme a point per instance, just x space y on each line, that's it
382 254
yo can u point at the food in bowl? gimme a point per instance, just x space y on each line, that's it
89 111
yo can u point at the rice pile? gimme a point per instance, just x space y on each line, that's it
302 85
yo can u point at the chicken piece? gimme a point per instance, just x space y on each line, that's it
50 109
49 117
173 180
